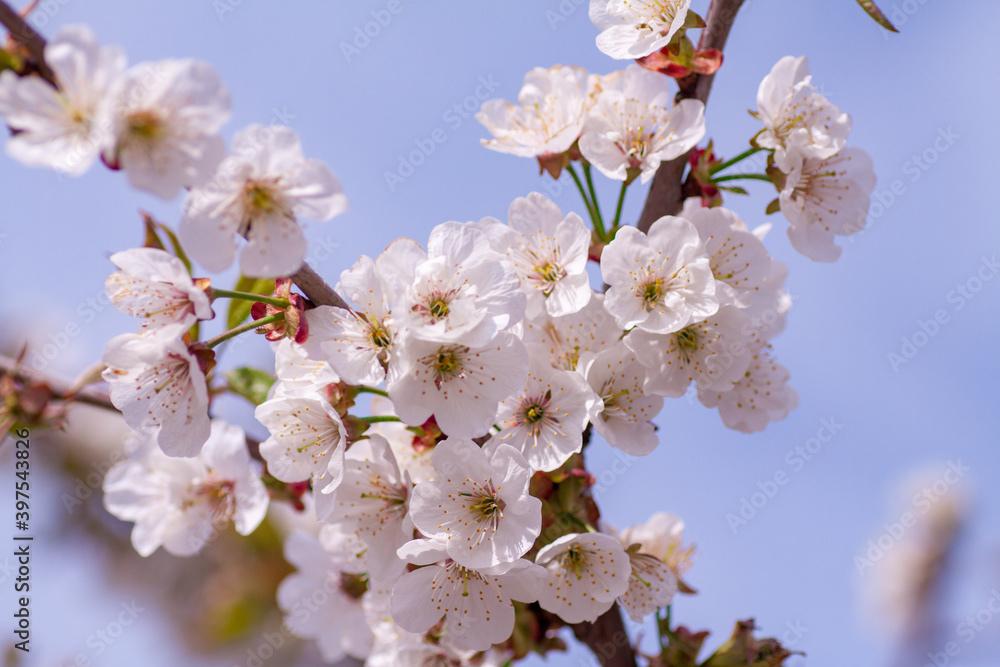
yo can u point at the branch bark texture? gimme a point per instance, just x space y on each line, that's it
666 195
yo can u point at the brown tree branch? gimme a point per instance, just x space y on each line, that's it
316 289
608 639
60 389
666 194
26 36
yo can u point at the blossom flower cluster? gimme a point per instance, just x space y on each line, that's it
489 358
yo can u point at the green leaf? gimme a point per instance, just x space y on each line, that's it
152 239
9 61
239 309
774 206
876 13
175 242
735 189
250 383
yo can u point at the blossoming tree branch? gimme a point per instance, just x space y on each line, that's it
453 522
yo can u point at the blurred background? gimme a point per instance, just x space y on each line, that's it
822 561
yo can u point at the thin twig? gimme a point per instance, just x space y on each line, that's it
666 195
26 36
60 388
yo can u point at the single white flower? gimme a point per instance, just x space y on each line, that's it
548 118
633 128
568 339
631 29
157 383
796 115
259 193
660 281
713 353
652 584
549 253
739 260
155 285
824 197
476 604
307 441
166 118
357 344
461 386
62 128
479 507
625 422
457 292
323 602
545 419
180 503
761 396
372 504
662 536
586 573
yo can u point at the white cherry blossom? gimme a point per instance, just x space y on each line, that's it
824 197
259 193
632 29
307 441
762 396
662 536
634 127
476 604
625 422
549 252
358 344
155 285
713 354
323 602
479 507
570 338
461 386
739 260
181 503
62 128
652 583
548 118
158 384
458 291
660 281
545 419
165 125
586 573
796 115
296 373
371 503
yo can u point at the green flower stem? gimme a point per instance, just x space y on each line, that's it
739 158
579 186
618 209
743 177
375 419
247 296
363 389
597 219
243 328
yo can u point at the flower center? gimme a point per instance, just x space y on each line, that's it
438 308
145 126
574 560
687 342
447 363
353 586
651 293
218 495
378 334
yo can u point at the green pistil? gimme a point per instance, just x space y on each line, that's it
439 309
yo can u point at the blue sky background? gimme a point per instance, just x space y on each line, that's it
931 91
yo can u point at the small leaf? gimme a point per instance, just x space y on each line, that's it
175 242
250 383
693 21
735 189
774 206
876 13
152 239
239 309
